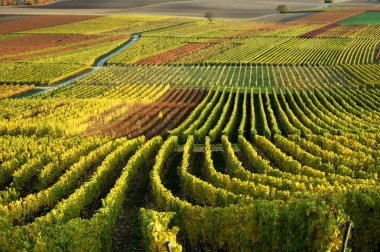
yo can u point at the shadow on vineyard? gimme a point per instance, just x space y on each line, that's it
151 119
127 234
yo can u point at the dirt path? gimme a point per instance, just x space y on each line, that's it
127 235
99 63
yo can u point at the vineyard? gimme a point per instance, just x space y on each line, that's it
364 18
190 135
238 75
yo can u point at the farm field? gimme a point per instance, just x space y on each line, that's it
364 18
231 75
192 8
133 133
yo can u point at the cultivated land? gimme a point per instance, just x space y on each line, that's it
132 132
236 9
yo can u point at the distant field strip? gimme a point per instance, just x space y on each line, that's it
368 17
235 75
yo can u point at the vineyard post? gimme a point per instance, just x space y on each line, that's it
347 230
168 246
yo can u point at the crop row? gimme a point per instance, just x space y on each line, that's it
56 117
367 74
117 24
46 67
231 193
293 50
130 93
84 109
292 43
146 47
202 29
316 111
89 173
234 75
217 40
36 73
7 91
32 42
297 185
252 44
153 118
329 17
88 43
40 21
352 31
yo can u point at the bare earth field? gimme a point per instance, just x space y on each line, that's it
240 9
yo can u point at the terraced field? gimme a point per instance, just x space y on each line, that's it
230 136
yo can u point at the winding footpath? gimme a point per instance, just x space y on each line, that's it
98 64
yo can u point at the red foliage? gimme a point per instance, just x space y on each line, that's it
377 57
155 118
64 49
319 31
328 17
39 41
36 22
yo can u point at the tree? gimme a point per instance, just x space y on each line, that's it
328 1
4 2
283 8
209 16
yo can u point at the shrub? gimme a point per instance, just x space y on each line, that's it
283 8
